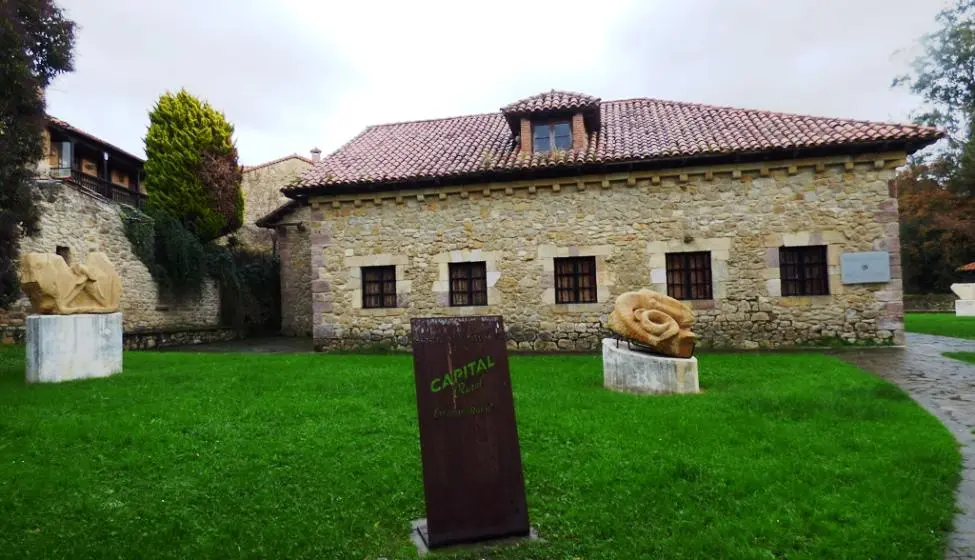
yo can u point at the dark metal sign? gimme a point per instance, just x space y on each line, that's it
472 476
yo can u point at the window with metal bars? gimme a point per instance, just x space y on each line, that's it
378 286
468 284
689 275
804 271
575 280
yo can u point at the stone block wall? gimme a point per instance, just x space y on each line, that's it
294 251
82 222
261 187
741 213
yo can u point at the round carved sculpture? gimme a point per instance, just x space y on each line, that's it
655 320
54 288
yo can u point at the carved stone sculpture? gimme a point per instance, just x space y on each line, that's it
54 288
655 320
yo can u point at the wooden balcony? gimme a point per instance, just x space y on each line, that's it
111 191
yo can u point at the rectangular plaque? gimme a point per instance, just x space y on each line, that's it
472 477
865 268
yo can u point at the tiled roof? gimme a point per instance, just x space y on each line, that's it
274 161
633 130
551 101
69 128
970 267
270 219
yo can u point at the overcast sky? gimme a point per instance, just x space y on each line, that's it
293 74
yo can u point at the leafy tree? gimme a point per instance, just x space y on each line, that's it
944 76
937 231
36 43
192 172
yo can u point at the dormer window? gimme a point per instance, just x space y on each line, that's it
552 135
554 120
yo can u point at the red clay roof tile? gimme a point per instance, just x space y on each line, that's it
629 131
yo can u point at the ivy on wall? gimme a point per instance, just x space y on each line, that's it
249 283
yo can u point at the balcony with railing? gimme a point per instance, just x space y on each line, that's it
111 191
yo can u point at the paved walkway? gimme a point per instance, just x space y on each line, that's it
946 388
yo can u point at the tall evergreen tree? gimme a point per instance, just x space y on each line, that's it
192 172
36 43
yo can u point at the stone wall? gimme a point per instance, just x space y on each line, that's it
294 251
936 303
741 213
261 187
83 222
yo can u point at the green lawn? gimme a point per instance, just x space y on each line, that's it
315 456
944 324
963 356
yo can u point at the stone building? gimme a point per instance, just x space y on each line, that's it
778 229
261 187
83 185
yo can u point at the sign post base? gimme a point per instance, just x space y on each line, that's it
418 534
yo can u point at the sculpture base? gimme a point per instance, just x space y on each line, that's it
66 347
965 307
638 372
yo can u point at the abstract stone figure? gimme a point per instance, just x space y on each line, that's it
656 320
56 289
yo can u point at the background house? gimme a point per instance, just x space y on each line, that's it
84 186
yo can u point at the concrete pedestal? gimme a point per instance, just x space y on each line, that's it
66 347
965 305
638 372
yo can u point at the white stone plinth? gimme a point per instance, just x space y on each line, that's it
66 347
965 306
639 372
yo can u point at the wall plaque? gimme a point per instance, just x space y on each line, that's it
472 478
865 268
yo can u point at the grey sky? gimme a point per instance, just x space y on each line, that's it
292 74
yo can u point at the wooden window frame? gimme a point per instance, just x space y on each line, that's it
385 298
467 273
689 275
550 123
569 270
804 270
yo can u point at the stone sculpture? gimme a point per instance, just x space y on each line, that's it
54 288
658 321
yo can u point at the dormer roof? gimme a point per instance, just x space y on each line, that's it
552 101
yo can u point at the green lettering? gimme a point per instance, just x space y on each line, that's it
481 366
447 381
435 385
459 374
490 361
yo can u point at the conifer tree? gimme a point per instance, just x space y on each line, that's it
192 172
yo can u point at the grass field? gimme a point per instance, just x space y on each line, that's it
944 324
316 456
963 356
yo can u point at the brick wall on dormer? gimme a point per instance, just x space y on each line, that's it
579 136
526 136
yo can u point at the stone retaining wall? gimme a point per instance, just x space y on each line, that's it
741 213
80 221
936 303
146 340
